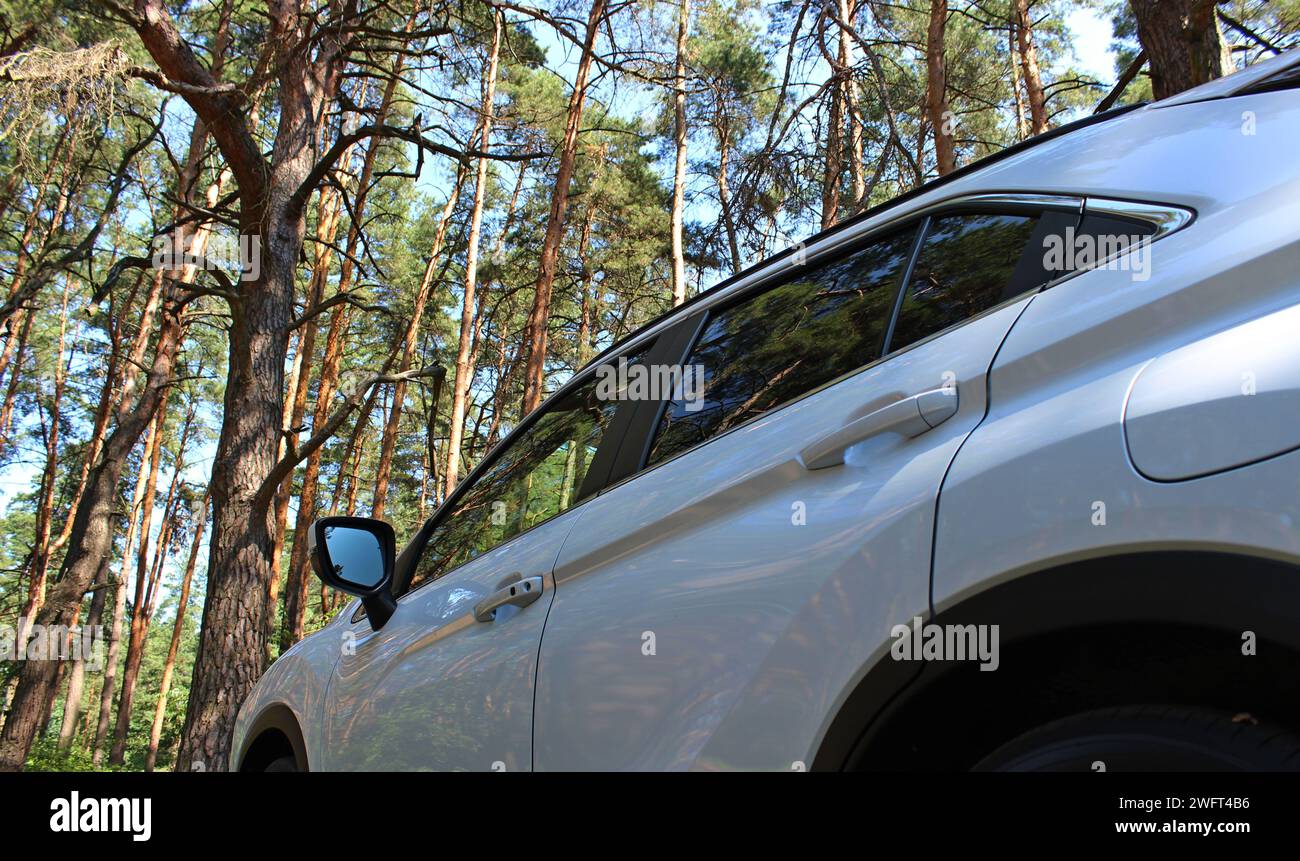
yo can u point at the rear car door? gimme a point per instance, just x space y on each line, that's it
447 683
758 548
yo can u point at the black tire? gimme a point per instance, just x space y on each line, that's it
1149 738
284 763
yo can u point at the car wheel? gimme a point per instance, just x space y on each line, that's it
284 763
1149 738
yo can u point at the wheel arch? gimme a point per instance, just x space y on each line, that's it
1167 624
274 733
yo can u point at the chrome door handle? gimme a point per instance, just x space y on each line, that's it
519 593
910 417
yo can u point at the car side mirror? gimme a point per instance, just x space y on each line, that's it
355 555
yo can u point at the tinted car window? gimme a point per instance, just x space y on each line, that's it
965 265
539 476
775 346
1109 237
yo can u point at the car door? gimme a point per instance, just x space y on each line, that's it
447 683
716 605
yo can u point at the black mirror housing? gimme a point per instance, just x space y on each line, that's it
356 555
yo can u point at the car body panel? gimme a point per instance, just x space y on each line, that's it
298 681
1024 494
1221 402
758 621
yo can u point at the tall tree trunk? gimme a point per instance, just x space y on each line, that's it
109 681
1029 65
113 375
236 621
149 466
848 58
1183 41
464 359
178 627
331 206
936 92
281 503
1022 124
538 317
142 609
327 223
120 585
49 479
91 541
15 377
724 195
77 677
679 143
835 133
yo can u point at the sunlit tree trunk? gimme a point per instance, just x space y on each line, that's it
15 376
538 318
1022 124
834 166
40 565
142 608
169 665
329 214
1029 64
941 119
724 195
848 58
679 144
464 371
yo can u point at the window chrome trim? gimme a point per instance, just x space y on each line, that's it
1164 218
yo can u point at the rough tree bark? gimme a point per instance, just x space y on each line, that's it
77 677
1183 42
835 128
232 645
724 189
848 59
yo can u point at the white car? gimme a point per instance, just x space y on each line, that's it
1004 474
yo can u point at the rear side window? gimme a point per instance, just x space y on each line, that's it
965 265
773 347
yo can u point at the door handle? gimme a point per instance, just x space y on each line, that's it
519 592
909 417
